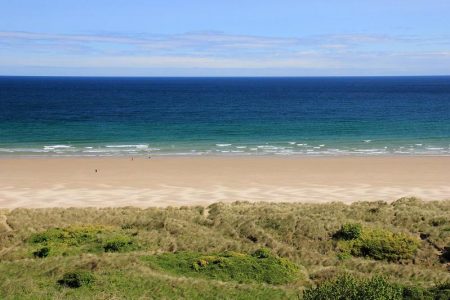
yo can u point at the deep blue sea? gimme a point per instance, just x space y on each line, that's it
64 116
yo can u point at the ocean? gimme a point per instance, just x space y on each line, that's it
329 116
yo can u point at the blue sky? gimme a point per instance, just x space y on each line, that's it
224 38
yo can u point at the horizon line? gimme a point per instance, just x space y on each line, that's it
227 76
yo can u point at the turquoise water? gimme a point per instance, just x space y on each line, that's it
224 116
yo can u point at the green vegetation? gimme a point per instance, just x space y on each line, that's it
445 257
440 291
81 239
119 243
261 266
349 232
352 288
43 252
376 243
76 279
228 251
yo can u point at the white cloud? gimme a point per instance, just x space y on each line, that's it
215 51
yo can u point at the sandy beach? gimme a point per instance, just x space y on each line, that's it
73 182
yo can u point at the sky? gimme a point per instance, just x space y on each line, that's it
224 38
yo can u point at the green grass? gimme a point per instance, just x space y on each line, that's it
119 276
260 267
211 252
80 239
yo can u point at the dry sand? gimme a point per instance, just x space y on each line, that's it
73 182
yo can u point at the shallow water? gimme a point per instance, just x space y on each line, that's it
224 116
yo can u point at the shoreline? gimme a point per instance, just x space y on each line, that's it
202 180
223 156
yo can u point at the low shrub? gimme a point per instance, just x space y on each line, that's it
42 252
118 244
351 288
261 266
262 253
348 232
441 291
445 256
380 244
72 235
439 221
344 255
82 239
417 293
76 279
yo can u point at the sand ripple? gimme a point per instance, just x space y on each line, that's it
168 195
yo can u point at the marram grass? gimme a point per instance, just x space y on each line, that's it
239 250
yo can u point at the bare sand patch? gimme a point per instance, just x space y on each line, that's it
73 182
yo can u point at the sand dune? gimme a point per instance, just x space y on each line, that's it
67 182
